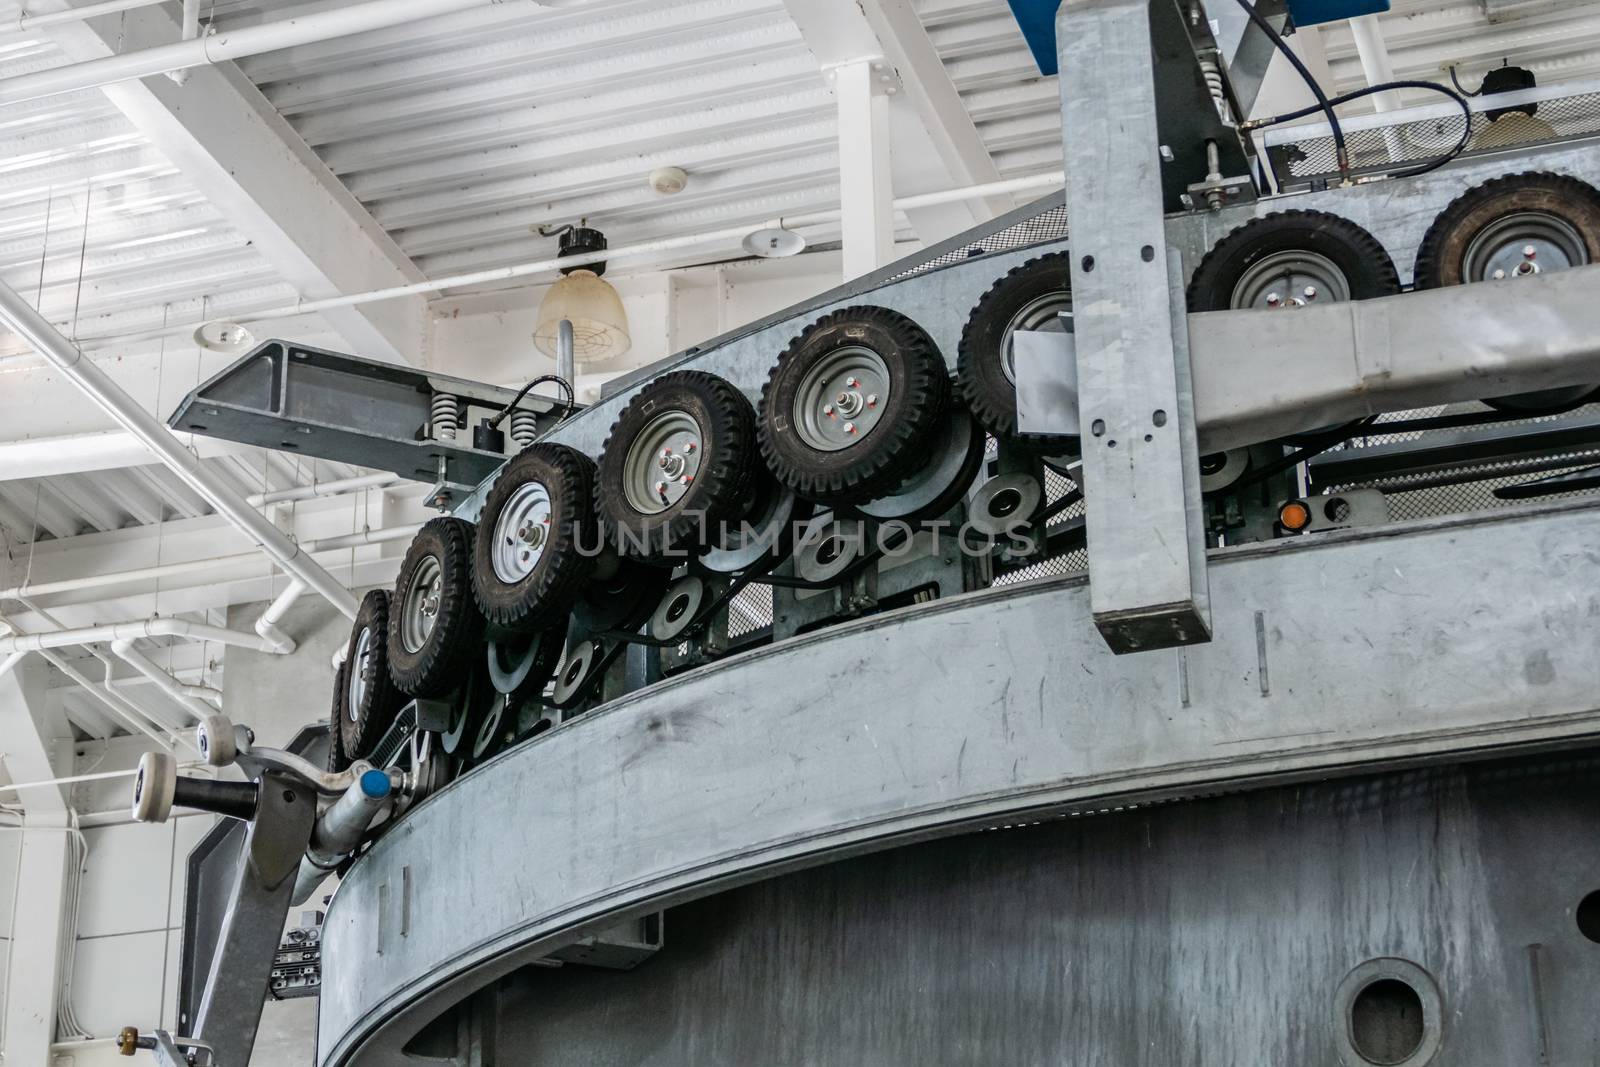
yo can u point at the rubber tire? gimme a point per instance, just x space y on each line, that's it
546 594
442 662
337 760
1441 257
720 492
1367 267
360 731
980 372
893 450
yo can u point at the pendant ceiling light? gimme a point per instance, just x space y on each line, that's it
588 301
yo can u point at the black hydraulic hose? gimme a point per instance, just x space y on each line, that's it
1324 105
566 387
1434 87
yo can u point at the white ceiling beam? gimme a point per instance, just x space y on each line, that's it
935 144
249 163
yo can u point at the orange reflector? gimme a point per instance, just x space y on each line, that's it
1294 516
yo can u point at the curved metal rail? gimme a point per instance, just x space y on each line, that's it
1338 653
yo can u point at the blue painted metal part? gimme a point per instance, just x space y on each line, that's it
376 784
1311 12
1038 21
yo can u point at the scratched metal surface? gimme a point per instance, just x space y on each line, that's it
1330 655
1213 932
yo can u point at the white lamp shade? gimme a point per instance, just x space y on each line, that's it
599 323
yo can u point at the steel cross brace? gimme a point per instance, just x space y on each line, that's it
1147 565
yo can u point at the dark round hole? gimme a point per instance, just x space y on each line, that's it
1148 253
1386 1024
1005 502
1213 462
1088 264
1098 428
573 673
1337 509
1159 417
1589 916
679 605
288 796
829 551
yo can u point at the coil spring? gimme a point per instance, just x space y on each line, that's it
524 427
445 416
1213 79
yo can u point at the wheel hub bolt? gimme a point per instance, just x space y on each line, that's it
1529 252
688 448
1311 292
849 427
661 488
872 400
827 409
851 382
1274 300
1499 275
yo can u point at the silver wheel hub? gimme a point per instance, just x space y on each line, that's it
841 399
357 691
1524 245
521 533
420 612
663 462
1050 313
1292 279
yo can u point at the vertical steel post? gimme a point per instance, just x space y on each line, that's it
1140 460
866 197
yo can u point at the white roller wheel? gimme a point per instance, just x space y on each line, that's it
154 787
216 741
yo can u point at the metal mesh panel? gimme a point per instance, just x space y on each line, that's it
749 610
1378 150
1056 485
1048 225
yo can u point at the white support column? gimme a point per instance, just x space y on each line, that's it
27 738
866 197
1367 32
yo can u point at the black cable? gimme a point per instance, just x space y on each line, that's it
1462 89
1341 154
566 386
1435 87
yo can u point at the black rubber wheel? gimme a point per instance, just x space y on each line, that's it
1024 298
368 699
435 627
522 669
1450 252
533 586
1366 268
816 448
337 760
678 466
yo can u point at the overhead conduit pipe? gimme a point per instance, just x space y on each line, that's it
19 315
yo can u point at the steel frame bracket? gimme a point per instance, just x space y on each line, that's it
1136 405
240 973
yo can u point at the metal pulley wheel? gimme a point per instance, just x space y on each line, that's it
767 533
1034 296
522 668
1289 260
369 697
490 737
957 454
1220 470
854 406
827 552
1004 502
678 609
1513 228
577 672
435 627
676 470
535 542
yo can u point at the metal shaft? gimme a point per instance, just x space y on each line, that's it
566 362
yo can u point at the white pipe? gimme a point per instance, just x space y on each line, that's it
267 624
113 702
191 30
227 45
168 570
1375 64
98 776
78 14
321 489
123 647
132 631
32 327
